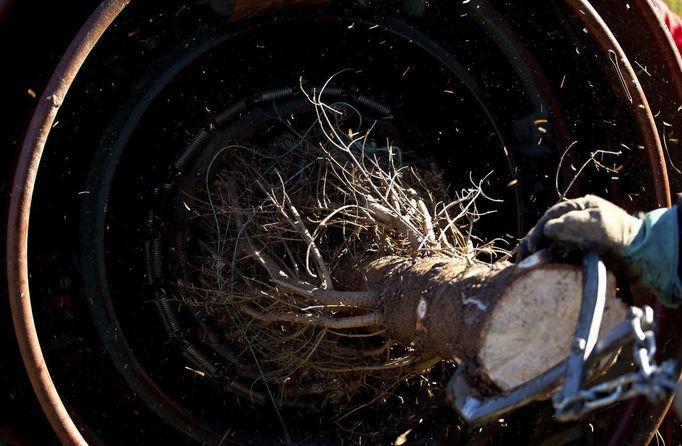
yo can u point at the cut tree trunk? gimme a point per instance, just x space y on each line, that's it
515 321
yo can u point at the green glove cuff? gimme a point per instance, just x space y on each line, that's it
655 250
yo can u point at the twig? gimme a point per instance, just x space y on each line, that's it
371 319
322 268
360 299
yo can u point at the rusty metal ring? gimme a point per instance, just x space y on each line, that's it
589 15
29 160
630 93
19 214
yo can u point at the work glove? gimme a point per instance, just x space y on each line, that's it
646 250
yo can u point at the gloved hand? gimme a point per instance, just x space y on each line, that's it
589 223
646 249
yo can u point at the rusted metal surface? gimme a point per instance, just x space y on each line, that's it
19 213
656 93
659 70
629 91
644 96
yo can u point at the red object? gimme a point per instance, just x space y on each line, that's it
672 21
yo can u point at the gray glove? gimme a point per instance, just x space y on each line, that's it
644 250
589 223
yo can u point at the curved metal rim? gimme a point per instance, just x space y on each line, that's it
96 283
604 38
19 214
661 56
94 210
642 432
25 177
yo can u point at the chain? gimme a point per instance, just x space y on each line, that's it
655 382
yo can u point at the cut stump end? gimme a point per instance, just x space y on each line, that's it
531 327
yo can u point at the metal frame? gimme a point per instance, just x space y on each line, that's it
31 151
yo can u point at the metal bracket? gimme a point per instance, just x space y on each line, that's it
587 348
586 334
476 411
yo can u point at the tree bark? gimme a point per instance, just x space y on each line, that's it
515 321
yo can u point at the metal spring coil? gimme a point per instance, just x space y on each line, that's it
255 396
196 357
168 316
191 149
277 93
149 221
149 276
328 91
227 114
375 105
156 257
